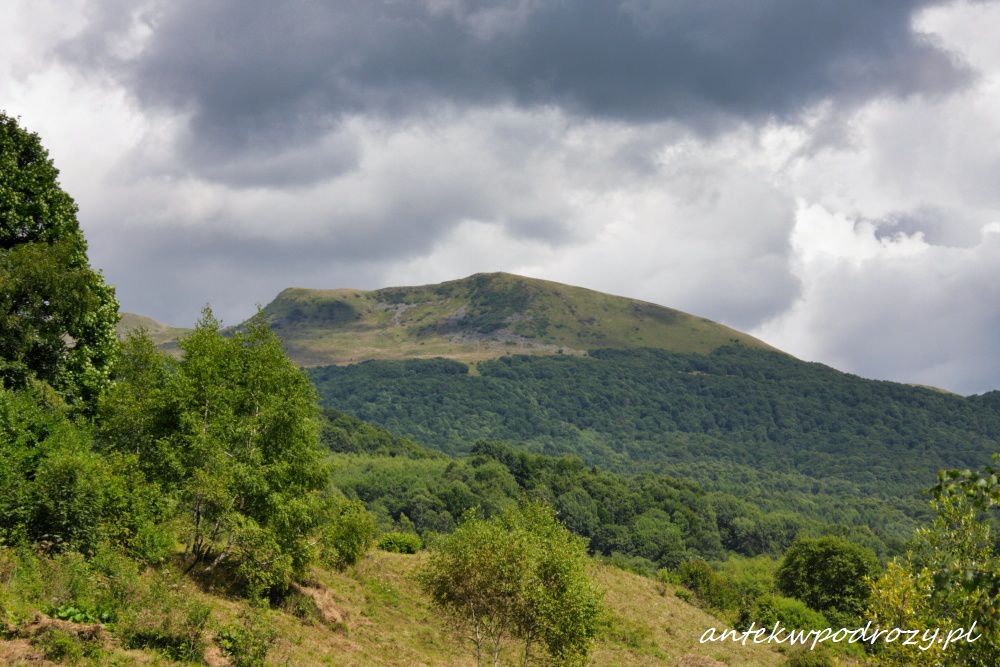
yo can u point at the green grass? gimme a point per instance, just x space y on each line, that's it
383 619
481 317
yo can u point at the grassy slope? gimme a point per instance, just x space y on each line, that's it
388 621
480 317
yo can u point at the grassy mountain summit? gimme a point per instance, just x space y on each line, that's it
484 316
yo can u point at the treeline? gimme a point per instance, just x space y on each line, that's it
645 521
784 434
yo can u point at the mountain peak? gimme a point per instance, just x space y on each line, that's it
482 316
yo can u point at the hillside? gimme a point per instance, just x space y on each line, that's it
767 428
481 317
376 614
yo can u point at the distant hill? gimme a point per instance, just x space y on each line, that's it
484 316
164 335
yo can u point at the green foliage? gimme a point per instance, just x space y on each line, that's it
800 443
68 612
63 647
57 491
248 642
713 589
561 608
659 519
349 534
344 434
400 543
230 433
520 574
767 610
57 316
949 579
829 574
180 634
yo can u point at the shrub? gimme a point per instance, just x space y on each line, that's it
230 433
807 658
710 587
791 613
165 617
61 646
400 543
349 534
248 642
517 575
828 574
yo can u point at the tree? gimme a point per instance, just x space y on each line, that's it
349 534
950 578
56 491
231 432
560 607
517 575
829 574
57 315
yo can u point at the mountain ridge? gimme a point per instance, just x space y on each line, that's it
479 317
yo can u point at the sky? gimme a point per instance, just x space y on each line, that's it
823 175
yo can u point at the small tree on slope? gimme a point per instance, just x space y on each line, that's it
520 575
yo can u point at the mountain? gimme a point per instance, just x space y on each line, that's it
636 388
484 316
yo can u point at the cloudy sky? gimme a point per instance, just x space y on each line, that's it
825 175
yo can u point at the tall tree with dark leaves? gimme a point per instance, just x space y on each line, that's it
57 315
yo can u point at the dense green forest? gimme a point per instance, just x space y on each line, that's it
653 520
783 434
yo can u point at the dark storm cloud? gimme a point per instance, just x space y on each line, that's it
256 75
170 273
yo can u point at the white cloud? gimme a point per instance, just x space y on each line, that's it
895 308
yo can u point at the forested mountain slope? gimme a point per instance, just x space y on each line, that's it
778 431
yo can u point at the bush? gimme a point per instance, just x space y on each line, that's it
166 618
828 574
517 575
248 642
791 613
807 658
635 564
229 434
61 646
710 587
349 534
400 543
